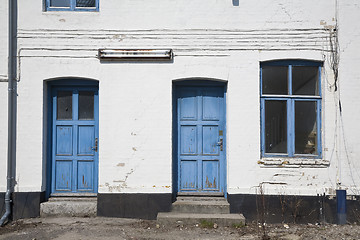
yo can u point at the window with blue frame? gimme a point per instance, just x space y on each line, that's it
290 95
72 5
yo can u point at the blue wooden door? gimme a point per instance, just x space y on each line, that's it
74 140
201 140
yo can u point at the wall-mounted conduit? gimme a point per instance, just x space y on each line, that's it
12 94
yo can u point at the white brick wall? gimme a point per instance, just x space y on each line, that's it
211 39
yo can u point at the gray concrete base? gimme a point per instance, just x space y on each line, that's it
172 218
69 207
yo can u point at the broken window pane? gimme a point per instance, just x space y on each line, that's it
275 126
275 80
305 80
59 3
86 105
305 127
64 105
85 3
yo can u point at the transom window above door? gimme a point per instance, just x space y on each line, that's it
290 97
72 5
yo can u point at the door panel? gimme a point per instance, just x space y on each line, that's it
211 175
188 140
211 104
85 175
188 105
64 144
210 139
63 175
86 140
200 126
188 178
74 141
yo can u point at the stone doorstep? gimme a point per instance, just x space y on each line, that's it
201 198
191 210
72 199
69 207
210 203
200 194
73 195
175 218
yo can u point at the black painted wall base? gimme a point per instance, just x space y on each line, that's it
291 209
24 204
133 205
276 208
2 203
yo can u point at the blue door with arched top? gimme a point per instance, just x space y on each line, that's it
75 139
201 139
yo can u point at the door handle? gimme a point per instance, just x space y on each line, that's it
96 145
220 143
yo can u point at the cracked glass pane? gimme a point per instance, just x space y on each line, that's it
85 3
64 105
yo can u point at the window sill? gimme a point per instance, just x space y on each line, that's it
279 162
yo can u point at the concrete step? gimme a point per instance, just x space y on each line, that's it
72 199
199 194
175 218
69 207
200 198
73 195
197 206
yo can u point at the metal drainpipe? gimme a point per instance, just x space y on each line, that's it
12 94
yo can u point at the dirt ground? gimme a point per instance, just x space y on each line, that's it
117 228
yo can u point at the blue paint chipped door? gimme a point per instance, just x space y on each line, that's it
74 140
201 138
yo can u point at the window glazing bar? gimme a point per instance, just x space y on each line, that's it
290 128
290 80
290 96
